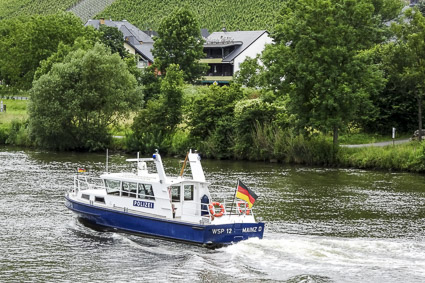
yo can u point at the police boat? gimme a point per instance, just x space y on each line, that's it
150 203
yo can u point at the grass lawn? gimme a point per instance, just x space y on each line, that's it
15 110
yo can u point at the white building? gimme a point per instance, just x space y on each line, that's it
225 51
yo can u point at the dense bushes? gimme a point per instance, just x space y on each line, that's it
228 123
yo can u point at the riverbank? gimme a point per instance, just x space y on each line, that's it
281 146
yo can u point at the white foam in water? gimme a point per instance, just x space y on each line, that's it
281 257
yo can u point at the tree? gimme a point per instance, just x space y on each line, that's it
179 41
319 59
154 125
113 37
25 42
211 119
85 43
410 33
421 6
73 105
250 72
396 102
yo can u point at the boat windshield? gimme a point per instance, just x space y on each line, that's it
112 187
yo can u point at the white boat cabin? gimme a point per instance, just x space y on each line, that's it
156 195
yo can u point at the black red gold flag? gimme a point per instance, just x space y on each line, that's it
246 194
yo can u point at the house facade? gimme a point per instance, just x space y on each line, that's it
136 42
225 51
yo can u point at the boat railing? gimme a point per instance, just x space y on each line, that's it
231 207
86 183
226 198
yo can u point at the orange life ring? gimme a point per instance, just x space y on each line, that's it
212 209
243 210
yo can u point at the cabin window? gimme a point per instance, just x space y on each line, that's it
112 187
99 199
175 193
84 196
146 191
188 192
129 189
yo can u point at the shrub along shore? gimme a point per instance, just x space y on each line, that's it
269 145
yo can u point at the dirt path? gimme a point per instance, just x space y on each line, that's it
376 144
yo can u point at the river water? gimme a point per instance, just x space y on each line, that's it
322 225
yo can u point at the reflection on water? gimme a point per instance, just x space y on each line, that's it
323 225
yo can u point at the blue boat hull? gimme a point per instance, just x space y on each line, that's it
208 235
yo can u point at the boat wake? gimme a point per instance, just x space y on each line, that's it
285 257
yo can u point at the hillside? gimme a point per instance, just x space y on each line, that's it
86 9
14 8
212 14
147 14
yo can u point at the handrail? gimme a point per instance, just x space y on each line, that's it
225 198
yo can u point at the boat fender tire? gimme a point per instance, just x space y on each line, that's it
243 207
212 209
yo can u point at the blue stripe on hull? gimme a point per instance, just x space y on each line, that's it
213 235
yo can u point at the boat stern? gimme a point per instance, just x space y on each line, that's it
227 234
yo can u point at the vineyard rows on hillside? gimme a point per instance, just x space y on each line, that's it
86 9
212 14
14 8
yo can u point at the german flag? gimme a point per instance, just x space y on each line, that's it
81 170
246 194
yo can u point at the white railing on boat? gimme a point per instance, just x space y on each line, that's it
224 196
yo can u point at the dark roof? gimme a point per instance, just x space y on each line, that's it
138 39
151 33
205 33
241 39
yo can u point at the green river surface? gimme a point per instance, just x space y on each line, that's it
322 225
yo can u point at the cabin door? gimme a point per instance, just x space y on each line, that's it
183 198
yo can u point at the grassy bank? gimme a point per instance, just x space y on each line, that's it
404 157
13 122
15 110
280 145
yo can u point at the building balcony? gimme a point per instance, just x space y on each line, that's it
218 79
211 60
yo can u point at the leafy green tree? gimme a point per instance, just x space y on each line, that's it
73 105
25 42
179 41
210 117
410 45
319 60
396 103
250 72
154 125
249 114
85 43
150 82
113 38
421 6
